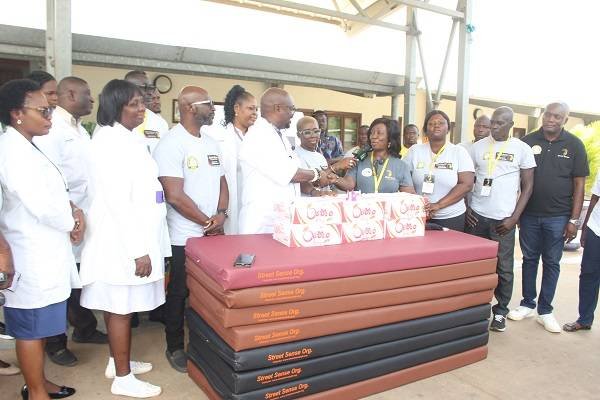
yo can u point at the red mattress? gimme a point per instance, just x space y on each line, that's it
371 386
303 309
275 263
302 291
260 335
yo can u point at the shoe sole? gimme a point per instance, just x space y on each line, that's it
497 329
6 337
177 368
539 321
135 395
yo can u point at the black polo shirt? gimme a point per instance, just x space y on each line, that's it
558 162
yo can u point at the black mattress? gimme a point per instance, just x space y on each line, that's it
339 377
317 347
245 381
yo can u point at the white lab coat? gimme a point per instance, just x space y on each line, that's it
125 221
68 146
35 219
268 166
229 146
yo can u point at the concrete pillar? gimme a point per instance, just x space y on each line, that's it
410 71
59 46
462 85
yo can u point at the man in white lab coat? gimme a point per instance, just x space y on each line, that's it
154 125
270 168
192 175
67 146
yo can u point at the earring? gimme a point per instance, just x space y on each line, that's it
19 122
236 114
389 145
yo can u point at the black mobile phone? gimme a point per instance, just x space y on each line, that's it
244 260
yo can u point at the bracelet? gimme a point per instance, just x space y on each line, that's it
316 177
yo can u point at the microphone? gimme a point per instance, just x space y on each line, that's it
361 154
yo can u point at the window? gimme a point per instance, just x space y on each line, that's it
343 125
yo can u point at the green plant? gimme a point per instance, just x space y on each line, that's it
590 136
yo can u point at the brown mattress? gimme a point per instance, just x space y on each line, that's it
260 335
278 264
228 317
285 293
371 386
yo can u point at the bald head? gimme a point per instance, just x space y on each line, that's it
554 118
501 123
195 108
277 107
481 128
74 96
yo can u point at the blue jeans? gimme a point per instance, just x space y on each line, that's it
541 236
589 279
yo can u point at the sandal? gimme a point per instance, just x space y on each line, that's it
576 326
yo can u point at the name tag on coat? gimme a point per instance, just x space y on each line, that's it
213 160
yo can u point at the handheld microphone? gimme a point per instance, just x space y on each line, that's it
361 154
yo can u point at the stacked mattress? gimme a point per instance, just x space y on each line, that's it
341 321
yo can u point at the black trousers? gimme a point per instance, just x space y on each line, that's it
454 223
486 228
177 293
83 321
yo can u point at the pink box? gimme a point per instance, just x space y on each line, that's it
365 208
404 205
307 235
360 230
308 210
404 227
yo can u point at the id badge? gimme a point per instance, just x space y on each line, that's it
486 188
428 181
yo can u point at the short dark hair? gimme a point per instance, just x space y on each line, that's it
318 112
134 73
114 96
41 77
363 126
393 130
410 126
12 96
431 114
235 94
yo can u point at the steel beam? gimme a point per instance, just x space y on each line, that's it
395 112
430 7
281 7
429 104
464 61
58 38
438 94
410 71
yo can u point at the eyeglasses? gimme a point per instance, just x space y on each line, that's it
292 108
311 132
45 112
147 88
207 102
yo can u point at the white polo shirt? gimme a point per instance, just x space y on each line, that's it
198 161
454 159
268 166
594 220
514 155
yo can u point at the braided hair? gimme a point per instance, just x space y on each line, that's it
235 95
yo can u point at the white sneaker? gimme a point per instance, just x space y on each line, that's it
550 323
131 386
520 312
136 367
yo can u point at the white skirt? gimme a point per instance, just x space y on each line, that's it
123 299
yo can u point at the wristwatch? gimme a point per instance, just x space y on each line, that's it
575 222
223 211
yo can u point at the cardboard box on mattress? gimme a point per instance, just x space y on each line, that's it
309 210
369 208
307 235
403 205
404 227
360 230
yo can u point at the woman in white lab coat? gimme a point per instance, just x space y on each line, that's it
122 263
240 111
36 220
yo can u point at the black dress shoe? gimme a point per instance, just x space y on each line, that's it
63 357
95 338
61 394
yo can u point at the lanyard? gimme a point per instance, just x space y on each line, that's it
493 160
435 157
377 179
54 165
